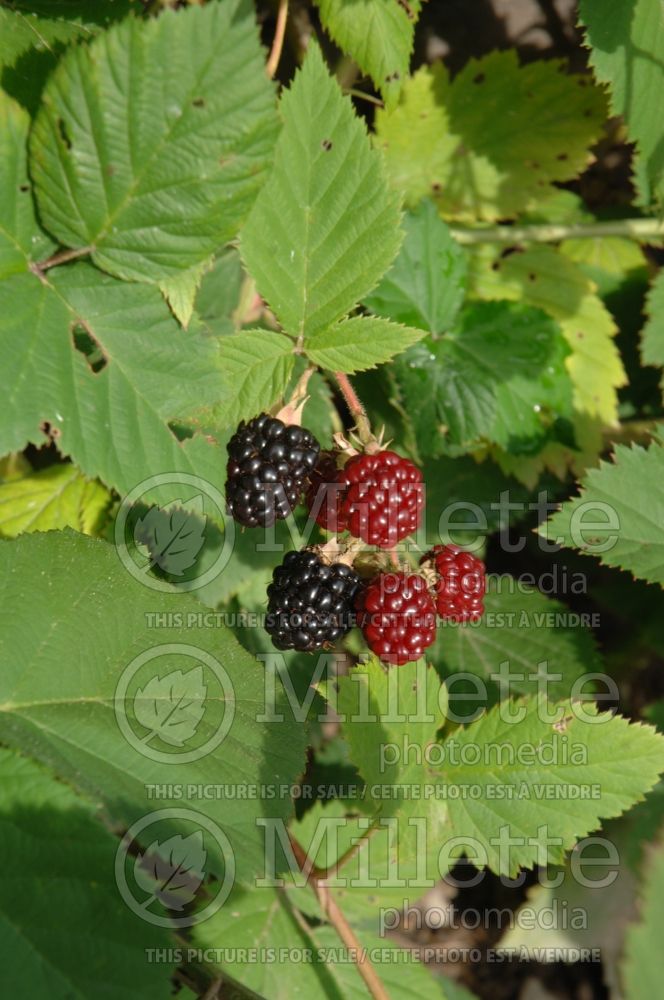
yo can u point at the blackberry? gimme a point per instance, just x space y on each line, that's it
323 492
382 498
268 466
397 616
310 603
460 583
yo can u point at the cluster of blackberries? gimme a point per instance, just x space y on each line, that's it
377 497
397 611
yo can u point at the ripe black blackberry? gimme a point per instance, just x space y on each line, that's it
310 603
268 466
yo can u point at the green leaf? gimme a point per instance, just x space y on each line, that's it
490 143
627 54
610 262
33 35
399 853
400 707
56 497
642 970
388 719
619 513
180 291
616 761
96 358
450 483
257 366
652 335
21 239
69 715
545 278
498 376
425 286
219 294
535 634
89 943
152 142
359 343
271 919
378 35
324 228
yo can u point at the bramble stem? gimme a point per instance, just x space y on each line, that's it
61 258
347 935
349 394
638 229
352 92
316 879
278 42
355 406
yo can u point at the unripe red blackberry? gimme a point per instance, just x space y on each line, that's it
310 603
378 498
323 492
397 616
460 583
268 466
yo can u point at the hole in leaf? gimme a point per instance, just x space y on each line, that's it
181 431
24 188
327 145
198 102
64 134
392 77
86 345
49 430
480 78
508 251
562 156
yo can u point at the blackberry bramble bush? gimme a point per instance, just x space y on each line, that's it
312 381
